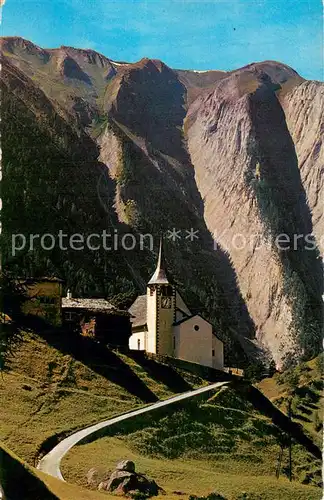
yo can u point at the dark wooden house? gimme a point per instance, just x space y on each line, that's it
97 318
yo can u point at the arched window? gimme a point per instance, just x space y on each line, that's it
139 344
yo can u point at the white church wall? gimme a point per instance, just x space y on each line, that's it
194 341
137 341
218 350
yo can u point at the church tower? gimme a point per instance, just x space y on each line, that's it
161 298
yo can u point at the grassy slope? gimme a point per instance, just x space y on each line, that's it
221 444
24 482
48 392
51 390
304 384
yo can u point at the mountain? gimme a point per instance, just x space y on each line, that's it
235 132
229 155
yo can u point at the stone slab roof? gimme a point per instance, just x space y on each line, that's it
92 305
138 311
86 303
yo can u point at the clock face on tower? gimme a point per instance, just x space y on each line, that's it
166 302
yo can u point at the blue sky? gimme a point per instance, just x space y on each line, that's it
193 34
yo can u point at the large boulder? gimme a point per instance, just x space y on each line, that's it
127 465
147 486
124 480
118 478
92 477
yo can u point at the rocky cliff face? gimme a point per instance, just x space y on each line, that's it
235 156
150 102
304 110
247 172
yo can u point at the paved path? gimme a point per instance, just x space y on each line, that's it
50 463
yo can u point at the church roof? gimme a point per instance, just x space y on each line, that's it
138 311
160 276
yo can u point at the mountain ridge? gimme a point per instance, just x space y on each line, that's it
196 139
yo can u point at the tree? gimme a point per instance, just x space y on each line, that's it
255 372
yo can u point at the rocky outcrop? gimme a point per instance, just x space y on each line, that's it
69 68
85 113
149 100
125 481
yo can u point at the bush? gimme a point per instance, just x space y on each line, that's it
290 378
255 372
212 496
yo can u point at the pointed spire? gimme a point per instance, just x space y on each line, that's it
160 276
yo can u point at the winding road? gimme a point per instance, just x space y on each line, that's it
50 463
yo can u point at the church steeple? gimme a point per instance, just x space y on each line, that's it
160 275
160 311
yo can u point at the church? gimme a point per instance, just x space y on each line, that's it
163 324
